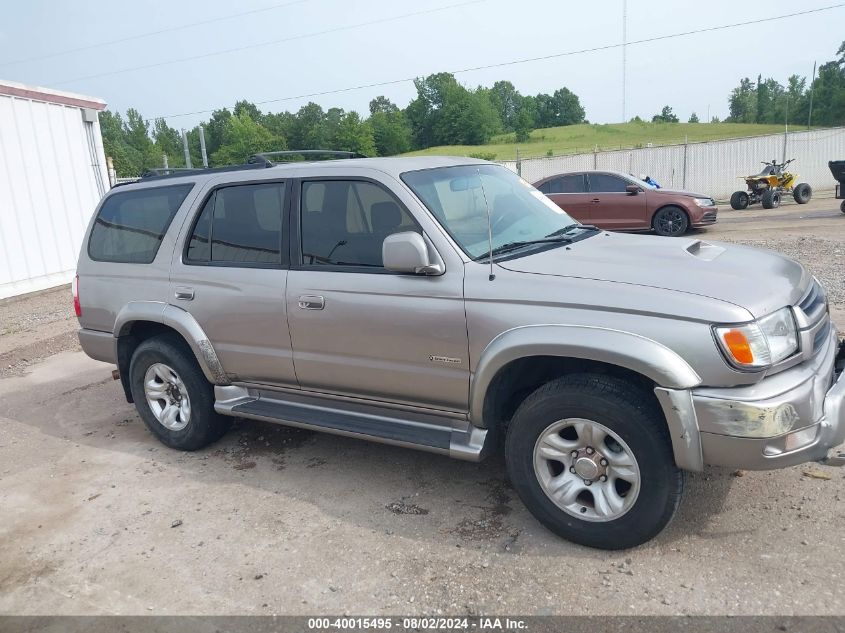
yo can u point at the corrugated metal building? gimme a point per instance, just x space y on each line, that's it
52 175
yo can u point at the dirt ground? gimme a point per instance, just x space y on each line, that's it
96 517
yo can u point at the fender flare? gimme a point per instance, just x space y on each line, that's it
614 347
181 321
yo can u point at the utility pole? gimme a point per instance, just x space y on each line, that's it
785 127
812 85
166 165
624 55
202 147
185 147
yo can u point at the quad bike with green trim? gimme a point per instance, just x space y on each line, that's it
769 185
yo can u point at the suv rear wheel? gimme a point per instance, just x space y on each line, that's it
590 457
172 395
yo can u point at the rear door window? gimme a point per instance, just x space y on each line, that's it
570 183
131 225
239 226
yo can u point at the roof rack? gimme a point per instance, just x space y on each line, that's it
174 172
260 160
268 158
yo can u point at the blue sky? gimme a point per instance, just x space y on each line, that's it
689 73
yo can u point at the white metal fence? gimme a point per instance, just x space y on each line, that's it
710 167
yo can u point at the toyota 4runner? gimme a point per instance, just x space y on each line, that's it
445 304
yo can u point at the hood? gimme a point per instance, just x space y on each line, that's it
678 192
758 280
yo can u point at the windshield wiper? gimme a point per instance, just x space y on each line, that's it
572 227
512 246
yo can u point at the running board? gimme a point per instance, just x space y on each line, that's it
452 436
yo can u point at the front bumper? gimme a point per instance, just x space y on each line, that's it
708 217
790 418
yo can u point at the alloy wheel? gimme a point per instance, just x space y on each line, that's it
167 397
586 469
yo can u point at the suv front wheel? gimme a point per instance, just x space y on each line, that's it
172 395
590 457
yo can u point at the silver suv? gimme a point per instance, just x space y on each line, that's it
445 304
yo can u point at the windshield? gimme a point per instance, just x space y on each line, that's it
459 198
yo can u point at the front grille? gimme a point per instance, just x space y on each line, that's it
813 302
708 216
821 336
814 307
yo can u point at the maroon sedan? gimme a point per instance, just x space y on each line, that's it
616 201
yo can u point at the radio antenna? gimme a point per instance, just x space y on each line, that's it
489 226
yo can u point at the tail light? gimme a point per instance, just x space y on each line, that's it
77 307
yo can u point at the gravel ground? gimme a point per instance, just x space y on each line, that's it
99 518
34 328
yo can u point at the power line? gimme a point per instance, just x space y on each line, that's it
140 36
247 47
525 60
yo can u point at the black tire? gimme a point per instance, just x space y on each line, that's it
627 411
842 207
670 221
205 425
739 200
770 199
802 193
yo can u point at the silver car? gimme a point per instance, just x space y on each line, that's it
444 304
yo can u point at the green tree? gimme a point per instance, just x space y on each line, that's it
391 133
666 116
507 101
307 130
693 118
829 92
446 113
168 141
250 109
423 113
743 102
127 162
523 126
215 128
354 135
244 137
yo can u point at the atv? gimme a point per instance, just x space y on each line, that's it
768 185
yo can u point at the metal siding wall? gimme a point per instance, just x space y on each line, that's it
713 167
48 191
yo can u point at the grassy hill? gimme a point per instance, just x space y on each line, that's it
573 139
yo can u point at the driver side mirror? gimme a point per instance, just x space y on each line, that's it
407 252
632 189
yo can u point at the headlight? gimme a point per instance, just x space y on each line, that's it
759 344
704 202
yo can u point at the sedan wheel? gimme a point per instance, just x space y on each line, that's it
670 222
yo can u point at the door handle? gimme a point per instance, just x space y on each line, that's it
312 302
184 293
595 200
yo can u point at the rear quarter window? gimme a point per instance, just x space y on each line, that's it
131 225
